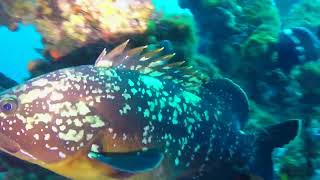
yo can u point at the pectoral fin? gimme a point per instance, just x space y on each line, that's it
131 162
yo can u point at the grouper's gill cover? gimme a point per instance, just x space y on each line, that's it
84 121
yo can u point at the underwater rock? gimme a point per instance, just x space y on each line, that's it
305 13
180 30
66 25
277 89
293 164
297 45
308 75
216 23
205 65
75 32
233 30
6 20
263 17
176 33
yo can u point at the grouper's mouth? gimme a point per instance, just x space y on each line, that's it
13 148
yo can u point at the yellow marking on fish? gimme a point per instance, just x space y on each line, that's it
94 121
82 108
2 115
30 96
58 106
72 135
77 122
41 82
45 118
55 96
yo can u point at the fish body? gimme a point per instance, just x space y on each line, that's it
126 116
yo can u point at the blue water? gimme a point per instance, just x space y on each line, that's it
17 49
169 7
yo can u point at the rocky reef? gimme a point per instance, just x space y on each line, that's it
304 13
67 25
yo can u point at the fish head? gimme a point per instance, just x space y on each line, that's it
47 119
14 135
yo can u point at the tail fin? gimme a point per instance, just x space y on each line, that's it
271 137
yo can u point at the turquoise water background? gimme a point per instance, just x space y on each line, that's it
18 48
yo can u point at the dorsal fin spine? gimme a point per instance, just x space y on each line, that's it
151 63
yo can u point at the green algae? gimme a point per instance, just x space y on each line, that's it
264 16
307 75
180 29
304 14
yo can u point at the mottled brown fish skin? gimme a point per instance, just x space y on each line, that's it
62 115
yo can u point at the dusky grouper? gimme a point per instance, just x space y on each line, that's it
132 113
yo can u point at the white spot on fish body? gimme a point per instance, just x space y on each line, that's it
62 128
55 96
46 137
110 130
72 135
77 122
36 136
62 155
94 121
54 129
41 82
114 136
59 122
82 108
95 148
89 136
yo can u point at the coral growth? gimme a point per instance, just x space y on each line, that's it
66 25
304 13
307 75
266 24
239 34
180 30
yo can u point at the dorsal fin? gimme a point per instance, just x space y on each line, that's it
152 63
107 60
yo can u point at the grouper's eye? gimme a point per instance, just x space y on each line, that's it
8 105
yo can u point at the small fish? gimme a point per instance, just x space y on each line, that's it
55 55
136 113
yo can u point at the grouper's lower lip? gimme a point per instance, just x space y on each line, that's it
8 145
